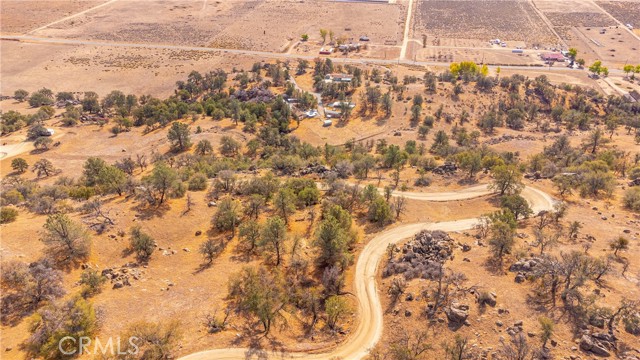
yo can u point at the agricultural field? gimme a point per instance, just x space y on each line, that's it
627 12
249 25
483 20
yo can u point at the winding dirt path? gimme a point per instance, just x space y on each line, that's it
370 326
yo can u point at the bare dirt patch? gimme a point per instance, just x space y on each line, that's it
18 16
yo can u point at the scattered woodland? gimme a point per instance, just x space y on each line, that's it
258 189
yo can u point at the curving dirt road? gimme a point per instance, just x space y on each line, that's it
370 326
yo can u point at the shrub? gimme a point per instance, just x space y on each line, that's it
7 215
198 182
631 199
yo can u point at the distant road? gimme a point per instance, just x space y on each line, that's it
266 54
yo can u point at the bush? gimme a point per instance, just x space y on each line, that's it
631 199
141 243
198 182
7 215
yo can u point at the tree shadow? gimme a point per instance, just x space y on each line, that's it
150 212
494 266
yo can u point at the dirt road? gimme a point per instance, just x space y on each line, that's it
370 326
407 27
265 54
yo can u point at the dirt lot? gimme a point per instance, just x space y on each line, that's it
20 16
250 25
614 48
485 20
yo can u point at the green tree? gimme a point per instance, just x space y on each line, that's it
160 182
179 136
380 211
41 97
333 238
67 241
284 202
250 232
210 249
621 243
204 147
141 243
546 325
227 217
596 67
507 179
470 161
43 167
229 146
73 318
259 292
21 95
502 239
517 205
274 236
335 307
323 35
19 165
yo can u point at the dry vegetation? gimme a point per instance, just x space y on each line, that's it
185 205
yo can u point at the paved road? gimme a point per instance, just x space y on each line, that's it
370 326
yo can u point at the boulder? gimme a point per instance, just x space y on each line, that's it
456 314
588 343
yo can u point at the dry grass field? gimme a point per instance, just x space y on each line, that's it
20 16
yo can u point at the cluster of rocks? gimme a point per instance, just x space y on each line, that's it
537 176
523 267
314 169
122 276
255 94
507 137
446 169
421 257
64 103
457 313
600 344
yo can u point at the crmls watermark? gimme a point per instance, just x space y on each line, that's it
84 345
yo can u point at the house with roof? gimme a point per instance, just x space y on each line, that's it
552 57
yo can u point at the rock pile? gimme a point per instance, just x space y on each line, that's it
523 267
421 257
122 276
599 344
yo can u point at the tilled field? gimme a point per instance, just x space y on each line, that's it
627 12
486 19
